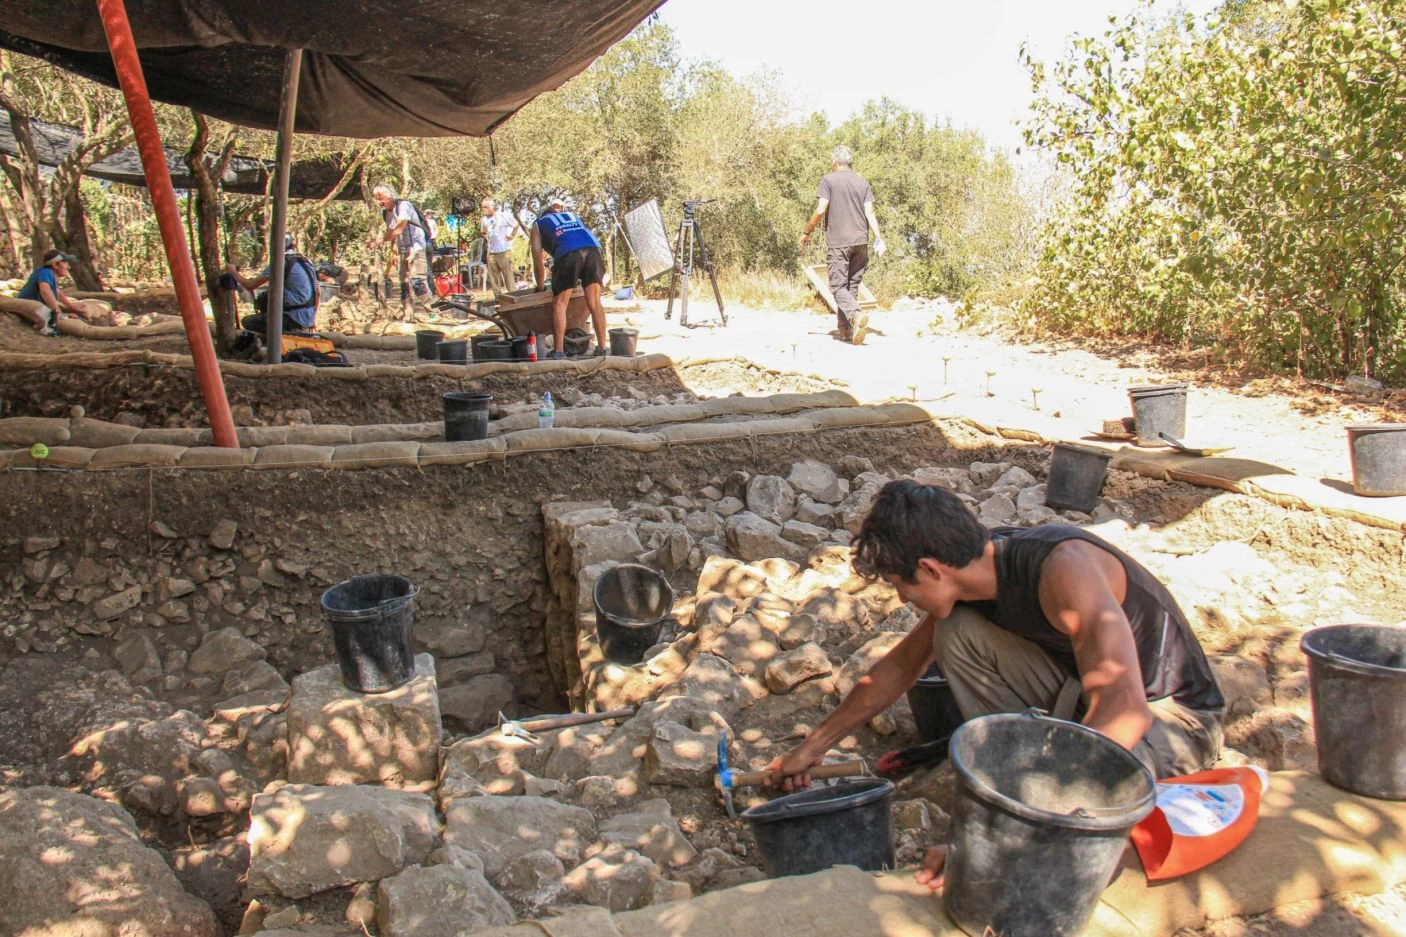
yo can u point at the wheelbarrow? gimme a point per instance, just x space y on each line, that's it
520 312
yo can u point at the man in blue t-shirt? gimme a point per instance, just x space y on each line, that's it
576 258
299 293
43 287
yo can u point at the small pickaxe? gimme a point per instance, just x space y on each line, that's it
524 730
728 779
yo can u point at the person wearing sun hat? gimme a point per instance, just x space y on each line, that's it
43 287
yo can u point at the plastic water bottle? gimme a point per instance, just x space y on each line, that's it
547 414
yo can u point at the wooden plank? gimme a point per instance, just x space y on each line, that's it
819 277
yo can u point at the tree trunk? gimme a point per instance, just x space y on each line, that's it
72 238
207 228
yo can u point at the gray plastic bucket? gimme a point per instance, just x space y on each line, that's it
425 340
466 415
1159 408
1076 477
622 342
1357 681
372 619
1041 816
1378 453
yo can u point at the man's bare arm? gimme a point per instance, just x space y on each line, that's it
1081 590
873 220
821 207
538 257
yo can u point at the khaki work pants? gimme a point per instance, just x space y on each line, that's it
414 278
991 670
500 272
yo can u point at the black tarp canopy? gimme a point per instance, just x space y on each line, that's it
246 175
370 68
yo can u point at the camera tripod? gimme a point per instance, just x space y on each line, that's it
689 235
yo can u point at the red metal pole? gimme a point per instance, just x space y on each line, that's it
128 66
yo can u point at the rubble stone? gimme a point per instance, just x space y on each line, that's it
222 534
304 839
771 498
651 830
753 537
863 659
814 512
802 534
58 856
712 681
222 650
441 901
1243 683
617 879
113 605
339 736
492 763
795 667
138 658
499 829
533 879
680 756
818 481
997 510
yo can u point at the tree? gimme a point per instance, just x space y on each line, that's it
50 213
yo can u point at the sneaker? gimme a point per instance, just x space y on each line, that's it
49 330
556 356
600 352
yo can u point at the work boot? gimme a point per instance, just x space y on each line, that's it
859 326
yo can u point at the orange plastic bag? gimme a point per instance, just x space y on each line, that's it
1198 819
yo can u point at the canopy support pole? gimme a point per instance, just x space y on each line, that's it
128 66
287 114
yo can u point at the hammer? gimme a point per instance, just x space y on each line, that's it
728 779
525 730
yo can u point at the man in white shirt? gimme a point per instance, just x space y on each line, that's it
499 228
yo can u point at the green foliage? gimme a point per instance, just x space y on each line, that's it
1239 184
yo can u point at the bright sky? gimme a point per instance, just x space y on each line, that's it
957 61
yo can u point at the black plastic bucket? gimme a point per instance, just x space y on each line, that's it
466 415
475 352
845 824
632 602
1159 408
1041 815
425 340
496 350
934 707
1357 680
371 619
519 343
1378 458
622 342
453 352
1076 477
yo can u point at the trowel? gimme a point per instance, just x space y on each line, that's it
1183 448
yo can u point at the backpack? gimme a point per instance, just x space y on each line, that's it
420 223
319 359
288 261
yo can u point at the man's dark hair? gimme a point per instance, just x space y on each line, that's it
909 521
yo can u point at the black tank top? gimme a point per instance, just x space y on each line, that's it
1171 658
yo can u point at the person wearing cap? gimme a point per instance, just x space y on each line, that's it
300 296
43 287
576 258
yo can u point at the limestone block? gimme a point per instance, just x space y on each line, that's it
339 736
492 763
814 512
499 829
599 543
771 498
803 534
795 667
729 506
441 901
138 659
304 839
727 576
117 603
713 682
997 510
745 644
73 864
863 659
850 512
984 473
951 478
533 879
1015 477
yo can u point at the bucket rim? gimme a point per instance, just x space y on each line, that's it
1083 449
856 792
1322 655
1375 428
623 330
1148 390
378 608
1103 820
635 622
428 332
467 396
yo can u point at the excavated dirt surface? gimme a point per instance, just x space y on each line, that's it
1251 576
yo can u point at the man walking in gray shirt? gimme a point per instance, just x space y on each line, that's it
847 206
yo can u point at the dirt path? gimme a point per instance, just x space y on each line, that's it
1293 425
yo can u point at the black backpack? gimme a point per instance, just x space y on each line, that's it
420 223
